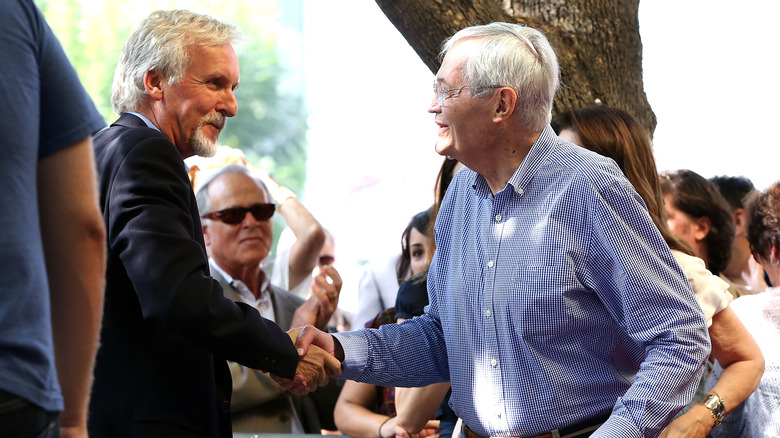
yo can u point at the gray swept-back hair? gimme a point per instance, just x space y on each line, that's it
515 56
160 43
202 195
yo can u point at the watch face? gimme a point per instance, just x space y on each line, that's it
714 404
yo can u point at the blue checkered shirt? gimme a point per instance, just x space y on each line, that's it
555 301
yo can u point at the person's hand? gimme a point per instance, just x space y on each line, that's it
322 302
314 367
325 288
393 428
310 335
696 423
313 371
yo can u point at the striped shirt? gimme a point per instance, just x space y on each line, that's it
553 301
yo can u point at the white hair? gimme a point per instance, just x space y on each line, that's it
161 43
202 195
515 56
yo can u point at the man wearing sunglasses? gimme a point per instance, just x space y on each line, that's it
168 330
236 216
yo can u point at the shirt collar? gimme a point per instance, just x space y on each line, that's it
147 121
541 149
240 286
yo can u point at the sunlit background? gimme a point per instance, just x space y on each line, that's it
371 163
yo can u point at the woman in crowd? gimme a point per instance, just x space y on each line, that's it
364 410
417 405
618 135
698 214
758 415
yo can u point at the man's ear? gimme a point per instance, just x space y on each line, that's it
505 105
153 83
740 222
205 229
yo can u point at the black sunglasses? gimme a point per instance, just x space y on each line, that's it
236 215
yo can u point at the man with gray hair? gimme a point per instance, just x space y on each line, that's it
236 213
556 308
168 330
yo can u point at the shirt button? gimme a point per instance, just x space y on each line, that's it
488 313
225 406
498 218
490 264
494 362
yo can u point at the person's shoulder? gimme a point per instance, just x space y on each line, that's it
584 163
130 137
413 285
586 175
130 129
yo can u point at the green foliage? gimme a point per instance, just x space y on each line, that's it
271 123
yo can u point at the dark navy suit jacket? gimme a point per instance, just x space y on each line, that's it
168 329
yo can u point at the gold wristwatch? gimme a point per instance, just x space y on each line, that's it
714 403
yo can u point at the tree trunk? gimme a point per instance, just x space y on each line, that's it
597 42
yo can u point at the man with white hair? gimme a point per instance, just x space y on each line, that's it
556 308
168 330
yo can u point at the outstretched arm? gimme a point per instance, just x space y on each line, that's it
74 241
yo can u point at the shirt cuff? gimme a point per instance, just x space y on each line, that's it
355 346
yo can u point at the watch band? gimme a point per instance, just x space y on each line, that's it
714 403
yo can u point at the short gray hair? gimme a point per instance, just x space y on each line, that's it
202 195
161 43
514 56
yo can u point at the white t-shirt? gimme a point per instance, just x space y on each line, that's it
711 291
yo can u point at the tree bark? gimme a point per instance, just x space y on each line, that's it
597 42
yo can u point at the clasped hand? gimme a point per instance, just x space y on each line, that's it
322 301
315 366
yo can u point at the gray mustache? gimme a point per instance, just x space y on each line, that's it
215 119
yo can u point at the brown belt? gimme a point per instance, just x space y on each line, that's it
582 429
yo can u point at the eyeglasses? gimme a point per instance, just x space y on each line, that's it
443 94
236 215
327 260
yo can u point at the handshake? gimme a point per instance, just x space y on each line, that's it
317 363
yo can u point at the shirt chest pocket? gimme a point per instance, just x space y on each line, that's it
541 295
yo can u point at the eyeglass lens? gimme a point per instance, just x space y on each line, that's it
236 215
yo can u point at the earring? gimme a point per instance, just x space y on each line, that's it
774 261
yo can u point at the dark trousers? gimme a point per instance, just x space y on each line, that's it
22 419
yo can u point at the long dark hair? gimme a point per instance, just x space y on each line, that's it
418 222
